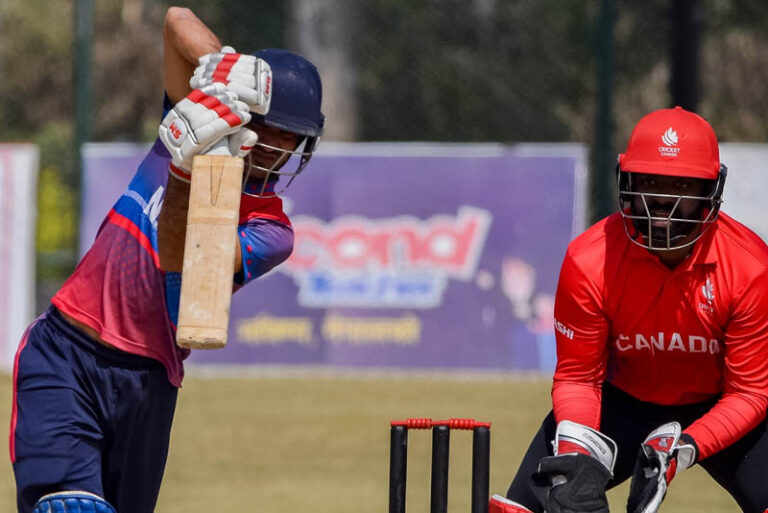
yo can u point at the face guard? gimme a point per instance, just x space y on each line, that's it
676 144
294 108
658 221
265 165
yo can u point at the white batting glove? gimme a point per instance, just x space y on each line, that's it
247 76
200 120
241 142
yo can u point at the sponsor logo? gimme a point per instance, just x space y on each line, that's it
269 330
670 140
667 342
393 262
563 329
175 131
365 331
154 206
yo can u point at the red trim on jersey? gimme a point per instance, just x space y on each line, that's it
270 207
131 227
15 405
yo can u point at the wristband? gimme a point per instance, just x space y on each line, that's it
179 174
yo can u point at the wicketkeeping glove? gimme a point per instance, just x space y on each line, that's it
203 118
663 454
247 76
574 479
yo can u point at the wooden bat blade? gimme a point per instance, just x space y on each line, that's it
209 252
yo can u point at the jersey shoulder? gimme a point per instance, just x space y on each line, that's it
592 246
593 258
740 245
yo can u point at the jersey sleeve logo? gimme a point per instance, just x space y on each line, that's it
564 330
708 292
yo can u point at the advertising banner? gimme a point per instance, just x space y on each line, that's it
406 255
746 184
18 206
107 170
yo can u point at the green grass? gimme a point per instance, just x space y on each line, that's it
320 443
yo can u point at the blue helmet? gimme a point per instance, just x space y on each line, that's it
297 94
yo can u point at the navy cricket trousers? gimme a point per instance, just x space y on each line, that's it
88 417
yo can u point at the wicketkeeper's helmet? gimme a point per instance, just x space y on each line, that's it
295 107
670 142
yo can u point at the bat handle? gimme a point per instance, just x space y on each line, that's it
220 147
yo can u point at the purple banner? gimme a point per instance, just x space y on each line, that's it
107 171
410 255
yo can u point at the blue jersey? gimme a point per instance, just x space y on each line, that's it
118 288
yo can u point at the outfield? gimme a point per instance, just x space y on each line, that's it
319 442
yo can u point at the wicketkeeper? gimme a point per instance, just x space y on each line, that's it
662 340
96 377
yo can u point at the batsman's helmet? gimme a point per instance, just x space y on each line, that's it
295 107
670 142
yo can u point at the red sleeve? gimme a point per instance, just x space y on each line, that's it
267 207
581 330
745 387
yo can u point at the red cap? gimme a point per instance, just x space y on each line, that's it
672 142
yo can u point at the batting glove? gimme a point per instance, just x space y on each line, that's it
202 119
575 478
246 75
662 455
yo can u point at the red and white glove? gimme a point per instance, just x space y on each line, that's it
664 453
499 504
245 75
202 119
575 478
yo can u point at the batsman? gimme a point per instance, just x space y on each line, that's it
96 376
661 319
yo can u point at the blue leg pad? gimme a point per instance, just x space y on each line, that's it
72 502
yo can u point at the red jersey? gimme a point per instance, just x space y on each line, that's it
665 336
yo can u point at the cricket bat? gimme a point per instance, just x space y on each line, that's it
209 250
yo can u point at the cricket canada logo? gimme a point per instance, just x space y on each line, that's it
397 262
670 140
670 137
708 292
